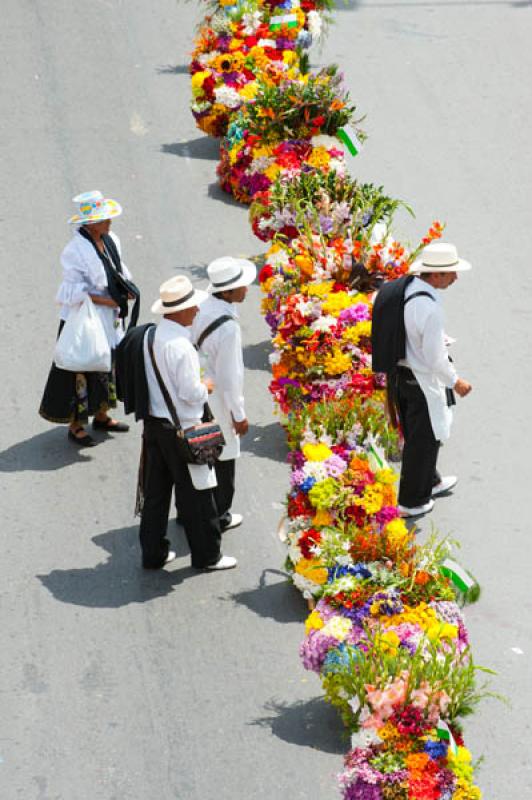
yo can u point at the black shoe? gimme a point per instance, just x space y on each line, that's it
110 426
81 441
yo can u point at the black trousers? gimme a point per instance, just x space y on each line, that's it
225 491
164 470
420 452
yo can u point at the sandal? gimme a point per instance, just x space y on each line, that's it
81 441
111 425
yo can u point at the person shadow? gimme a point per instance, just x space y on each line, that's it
276 600
256 356
119 580
43 452
306 723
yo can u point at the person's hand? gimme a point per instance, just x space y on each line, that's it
462 387
209 384
241 427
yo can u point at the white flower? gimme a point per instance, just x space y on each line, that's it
314 24
251 22
315 469
324 140
279 259
227 96
324 323
309 588
274 358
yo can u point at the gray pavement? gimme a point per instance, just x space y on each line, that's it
118 685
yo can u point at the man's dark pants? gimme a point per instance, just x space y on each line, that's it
225 491
163 471
420 453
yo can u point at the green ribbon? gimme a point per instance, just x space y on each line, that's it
450 569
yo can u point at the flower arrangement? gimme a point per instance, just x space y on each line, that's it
288 129
385 633
241 42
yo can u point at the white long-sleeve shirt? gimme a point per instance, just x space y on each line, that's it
83 275
426 351
427 354
179 366
222 354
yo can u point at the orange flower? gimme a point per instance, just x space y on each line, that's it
336 105
422 578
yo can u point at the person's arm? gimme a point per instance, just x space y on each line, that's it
98 300
434 349
229 372
184 366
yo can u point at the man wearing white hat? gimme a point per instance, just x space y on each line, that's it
426 379
216 333
178 364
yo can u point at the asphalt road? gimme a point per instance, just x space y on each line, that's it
119 685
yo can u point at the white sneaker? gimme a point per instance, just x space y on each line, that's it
447 483
236 520
417 511
225 562
170 557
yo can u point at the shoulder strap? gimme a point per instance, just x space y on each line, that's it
212 327
419 294
162 387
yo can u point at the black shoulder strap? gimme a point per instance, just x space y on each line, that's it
212 327
162 387
419 294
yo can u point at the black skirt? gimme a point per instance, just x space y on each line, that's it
75 396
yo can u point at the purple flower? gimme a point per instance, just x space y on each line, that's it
354 314
314 649
360 790
326 223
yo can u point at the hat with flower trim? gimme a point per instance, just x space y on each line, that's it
94 207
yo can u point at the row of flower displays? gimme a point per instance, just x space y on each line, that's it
385 634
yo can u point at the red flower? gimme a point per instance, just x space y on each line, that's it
265 273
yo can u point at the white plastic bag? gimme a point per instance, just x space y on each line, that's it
82 345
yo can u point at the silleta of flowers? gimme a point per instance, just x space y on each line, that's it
385 635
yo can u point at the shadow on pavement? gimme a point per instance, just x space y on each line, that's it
173 69
203 147
278 601
307 723
215 191
266 441
120 580
256 356
43 452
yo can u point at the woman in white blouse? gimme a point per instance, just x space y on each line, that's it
92 267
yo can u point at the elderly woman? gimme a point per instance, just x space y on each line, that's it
92 267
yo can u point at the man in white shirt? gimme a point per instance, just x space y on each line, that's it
426 379
164 467
216 333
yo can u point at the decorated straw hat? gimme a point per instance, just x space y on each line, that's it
439 257
94 207
177 294
230 273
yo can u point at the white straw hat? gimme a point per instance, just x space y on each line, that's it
177 294
439 257
94 207
230 273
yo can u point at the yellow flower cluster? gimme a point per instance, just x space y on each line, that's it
354 333
312 570
336 362
461 765
372 500
313 622
316 452
319 158
336 302
317 289
423 616
398 534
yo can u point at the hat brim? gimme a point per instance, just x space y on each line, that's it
249 273
197 298
461 266
112 209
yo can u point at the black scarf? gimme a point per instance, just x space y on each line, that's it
120 288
